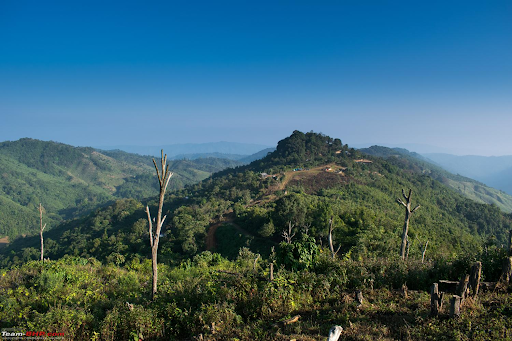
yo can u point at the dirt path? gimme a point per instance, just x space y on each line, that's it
211 242
288 176
229 218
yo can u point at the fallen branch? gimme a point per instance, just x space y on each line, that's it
288 321
451 286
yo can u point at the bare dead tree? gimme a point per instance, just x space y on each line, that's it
42 227
408 213
288 235
306 228
164 175
331 246
423 252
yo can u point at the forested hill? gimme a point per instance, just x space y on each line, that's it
309 179
70 181
469 188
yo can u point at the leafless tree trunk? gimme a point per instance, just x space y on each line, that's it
408 213
306 229
423 253
154 236
42 227
407 247
510 243
288 236
331 246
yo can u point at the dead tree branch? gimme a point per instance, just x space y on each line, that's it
288 235
408 213
41 208
164 175
331 245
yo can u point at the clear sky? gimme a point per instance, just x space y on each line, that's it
101 73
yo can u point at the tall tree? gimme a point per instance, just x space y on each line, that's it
41 208
164 175
408 213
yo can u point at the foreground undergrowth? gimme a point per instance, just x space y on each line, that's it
217 299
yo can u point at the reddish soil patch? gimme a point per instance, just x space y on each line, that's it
315 182
4 241
211 242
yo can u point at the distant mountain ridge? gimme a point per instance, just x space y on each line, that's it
195 156
494 171
469 187
173 150
243 159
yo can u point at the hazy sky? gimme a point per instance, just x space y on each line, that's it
147 72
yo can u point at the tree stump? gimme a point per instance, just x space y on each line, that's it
334 333
271 274
462 288
507 271
359 297
436 300
404 291
455 303
474 278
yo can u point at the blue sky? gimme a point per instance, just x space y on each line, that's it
435 73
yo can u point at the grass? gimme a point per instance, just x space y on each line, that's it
71 296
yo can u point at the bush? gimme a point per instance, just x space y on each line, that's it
131 323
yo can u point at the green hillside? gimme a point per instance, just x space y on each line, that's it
360 194
222 234
469 188
71 181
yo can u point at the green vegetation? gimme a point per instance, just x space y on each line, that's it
469 188
72 181
367 220
223 233
233 300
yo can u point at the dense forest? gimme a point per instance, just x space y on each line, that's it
223 233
